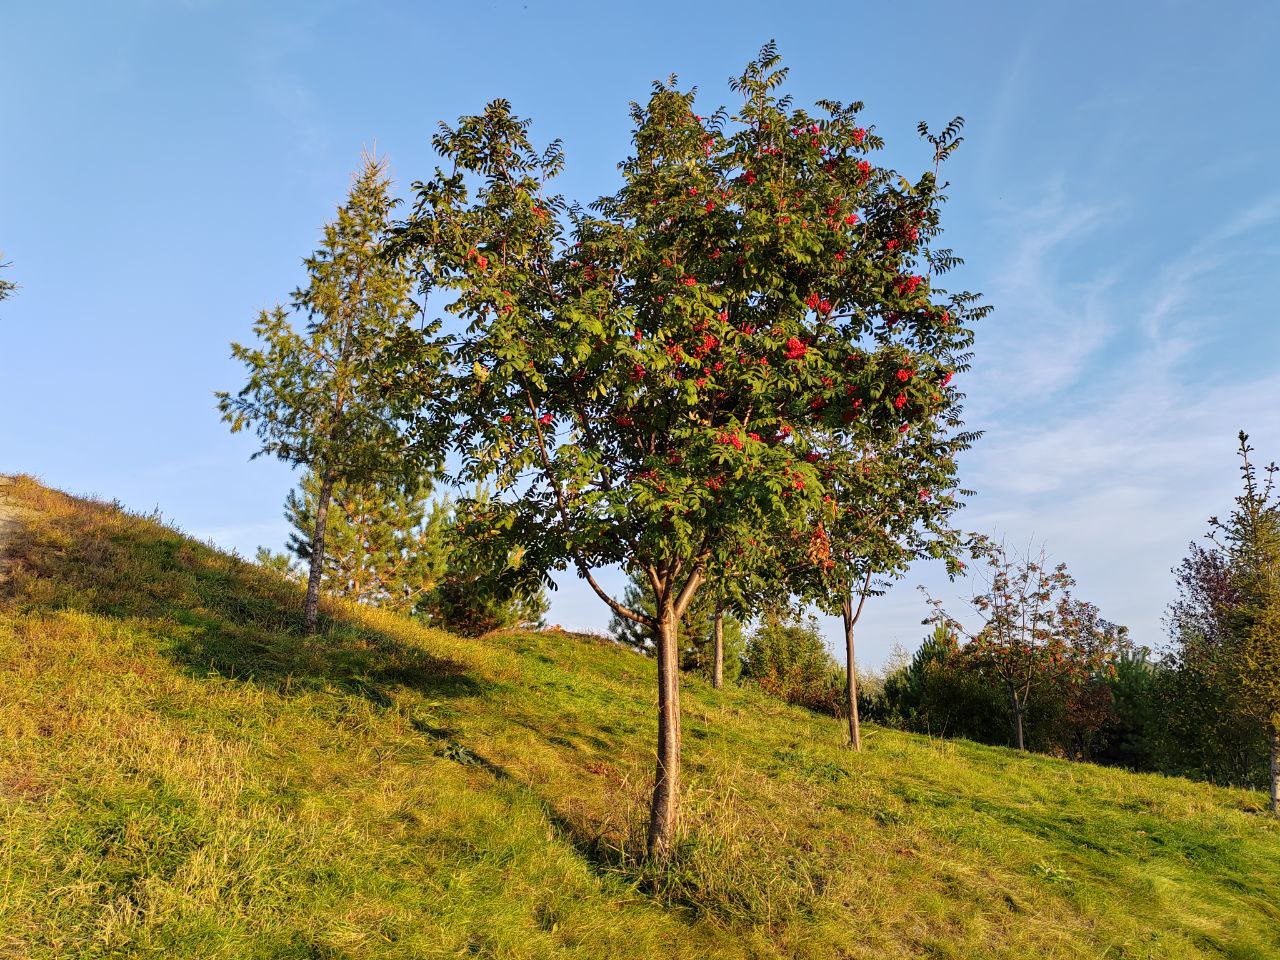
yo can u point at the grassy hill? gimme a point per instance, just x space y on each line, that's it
182 775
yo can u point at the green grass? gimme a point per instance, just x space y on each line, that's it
182 775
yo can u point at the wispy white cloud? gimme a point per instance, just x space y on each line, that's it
1123 469
1177 285
1046 327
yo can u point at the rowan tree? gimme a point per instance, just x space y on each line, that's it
892 506
644 382
332 396
1032 634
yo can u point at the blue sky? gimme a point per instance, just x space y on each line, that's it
165 165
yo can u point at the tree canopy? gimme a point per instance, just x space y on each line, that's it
657 380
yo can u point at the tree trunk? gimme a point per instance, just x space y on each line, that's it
666 784
1017 724
1275 772
851 677
717 665
311 609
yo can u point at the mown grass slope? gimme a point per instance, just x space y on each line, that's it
183 775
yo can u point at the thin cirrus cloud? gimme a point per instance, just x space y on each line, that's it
1047 327
1126 444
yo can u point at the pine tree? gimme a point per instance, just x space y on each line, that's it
329 397
384 546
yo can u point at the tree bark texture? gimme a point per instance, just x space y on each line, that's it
666 785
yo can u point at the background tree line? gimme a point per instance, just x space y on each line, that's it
1045 672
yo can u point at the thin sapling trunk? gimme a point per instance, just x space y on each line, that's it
717 665
1275 773
311 609
851 679
851 615
1017 722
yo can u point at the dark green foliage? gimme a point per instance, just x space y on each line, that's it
786 657
937 694
1037 643
1133 729
474 598
384 546
486 585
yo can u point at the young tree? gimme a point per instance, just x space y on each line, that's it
1260 679
644 382
893 501
727 637
1085 693
1033 634
385 545
1250 540
326 398
893 506
786 656
1205 730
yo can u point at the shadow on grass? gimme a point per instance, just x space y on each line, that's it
216 614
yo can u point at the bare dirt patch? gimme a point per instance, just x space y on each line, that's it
10 521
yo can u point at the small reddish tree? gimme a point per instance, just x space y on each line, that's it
644 383
1033 634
